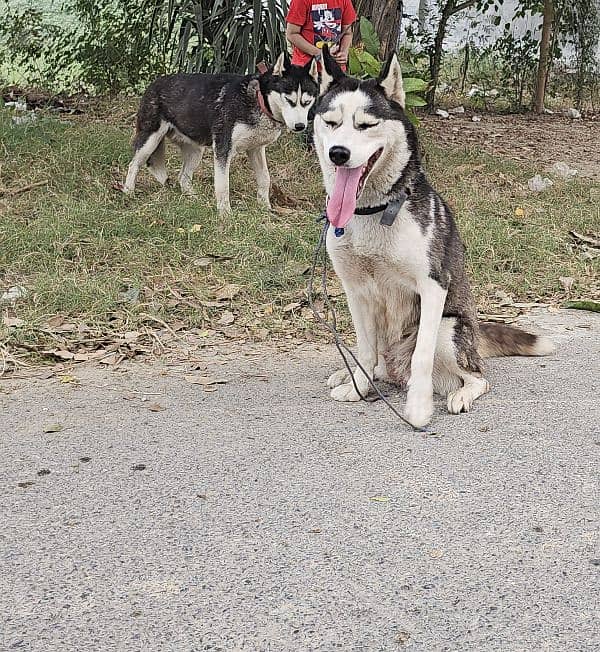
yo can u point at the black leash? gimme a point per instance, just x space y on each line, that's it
341 346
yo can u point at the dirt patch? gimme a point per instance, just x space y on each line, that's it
525 138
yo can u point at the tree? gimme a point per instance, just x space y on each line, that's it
386 16
448 9
544 63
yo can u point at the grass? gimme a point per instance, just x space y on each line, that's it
79 247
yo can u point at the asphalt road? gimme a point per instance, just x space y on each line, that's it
264 516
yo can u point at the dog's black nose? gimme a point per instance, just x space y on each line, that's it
339 155
299 126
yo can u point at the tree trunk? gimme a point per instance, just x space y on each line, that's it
386 16
435 53
542 73
422 14
435 56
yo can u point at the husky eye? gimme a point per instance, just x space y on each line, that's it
306 103
290 102
330 123
366 125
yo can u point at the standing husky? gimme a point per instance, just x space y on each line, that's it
231 113
397 251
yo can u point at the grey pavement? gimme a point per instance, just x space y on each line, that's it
264 516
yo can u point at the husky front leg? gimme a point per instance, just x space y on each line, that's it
419 401
362 310
258 161
222 164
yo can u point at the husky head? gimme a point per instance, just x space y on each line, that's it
291 91
363 138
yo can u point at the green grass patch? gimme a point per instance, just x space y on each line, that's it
84 251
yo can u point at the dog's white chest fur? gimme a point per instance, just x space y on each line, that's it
245 137
395 257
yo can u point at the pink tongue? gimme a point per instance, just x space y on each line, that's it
343 198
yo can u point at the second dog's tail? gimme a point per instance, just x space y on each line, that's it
500 339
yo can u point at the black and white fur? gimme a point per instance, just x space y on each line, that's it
407 289
221 111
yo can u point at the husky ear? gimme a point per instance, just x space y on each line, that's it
282 64
313 70
331 72
390 81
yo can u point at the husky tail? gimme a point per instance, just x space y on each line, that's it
498 340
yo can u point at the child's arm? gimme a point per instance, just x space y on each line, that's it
294 36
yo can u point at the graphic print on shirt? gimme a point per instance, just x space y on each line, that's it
327 24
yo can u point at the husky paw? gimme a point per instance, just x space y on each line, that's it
264 202
462 399
189 191
380 373
338 378
345 393
418 410
117 185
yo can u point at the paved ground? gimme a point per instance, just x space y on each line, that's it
267 517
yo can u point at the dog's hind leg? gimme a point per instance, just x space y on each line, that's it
222 165
192 157
156 163
145 145
258 161
449 376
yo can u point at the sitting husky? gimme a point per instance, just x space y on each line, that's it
230 113
397 251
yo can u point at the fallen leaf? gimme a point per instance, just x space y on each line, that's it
594 242
436 554
380 499
62 354
69 379
290 307
130 396
156 407
54 322
211 388
81 357
204 380
519 212
592 306
112 358
195 228
227 292
13 322
227 318
282 210
53 427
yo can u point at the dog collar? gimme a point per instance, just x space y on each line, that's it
390 210
263 107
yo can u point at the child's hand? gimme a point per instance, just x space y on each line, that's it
341 56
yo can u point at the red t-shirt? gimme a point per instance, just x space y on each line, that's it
321 22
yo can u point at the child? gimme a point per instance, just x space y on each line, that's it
313 23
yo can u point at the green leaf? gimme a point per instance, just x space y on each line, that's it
369 64
415 100
413 84
369 36
592 306
354 67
